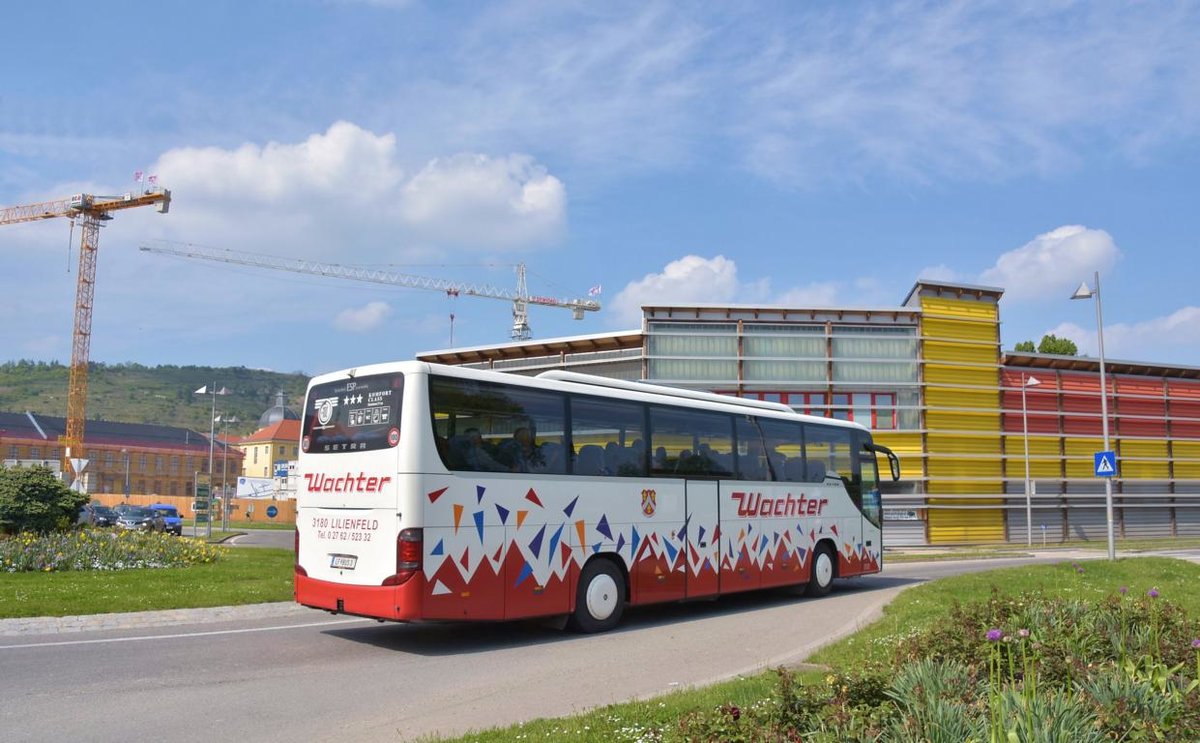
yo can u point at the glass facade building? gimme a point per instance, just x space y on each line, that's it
930 378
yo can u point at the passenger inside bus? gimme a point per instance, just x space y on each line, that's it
473 453
520 452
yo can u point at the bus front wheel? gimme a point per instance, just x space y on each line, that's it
599 598
821 579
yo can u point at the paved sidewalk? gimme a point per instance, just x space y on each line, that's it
166 618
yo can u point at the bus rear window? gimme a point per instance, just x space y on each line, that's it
351 415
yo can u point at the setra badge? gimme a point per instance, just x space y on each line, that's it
648 502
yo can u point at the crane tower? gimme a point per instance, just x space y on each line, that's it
520 298
92 211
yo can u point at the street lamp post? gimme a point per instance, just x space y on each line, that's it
225 471
1084 293
1028 381
212 430
126 453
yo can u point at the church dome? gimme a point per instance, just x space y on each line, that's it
278 412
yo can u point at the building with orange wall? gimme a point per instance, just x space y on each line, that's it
151 459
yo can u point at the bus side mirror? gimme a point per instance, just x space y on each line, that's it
893 460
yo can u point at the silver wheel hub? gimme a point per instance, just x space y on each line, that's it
823 569
601 597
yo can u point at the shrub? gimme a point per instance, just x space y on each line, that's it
33 499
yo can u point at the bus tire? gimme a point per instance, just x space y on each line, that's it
599 597
820 579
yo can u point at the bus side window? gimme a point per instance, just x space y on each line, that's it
831 446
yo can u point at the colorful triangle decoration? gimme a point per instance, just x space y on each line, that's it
521 518
526 571
532 497
571 506
437 494
465 560
554 539
536 545
479 493
458 512
438 549
581 530
479 523
602 527
439 588
502 512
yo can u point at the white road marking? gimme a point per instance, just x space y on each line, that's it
181 636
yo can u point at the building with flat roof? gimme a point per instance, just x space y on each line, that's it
932 381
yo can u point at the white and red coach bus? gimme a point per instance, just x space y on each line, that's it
429 492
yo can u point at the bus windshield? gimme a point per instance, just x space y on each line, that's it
350 415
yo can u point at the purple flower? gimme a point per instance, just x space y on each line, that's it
1124 590
1152 593
1079 570
1196 644
1023 633
994 635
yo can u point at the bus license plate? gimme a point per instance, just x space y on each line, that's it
345 562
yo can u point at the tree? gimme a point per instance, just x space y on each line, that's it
1050 344
1060 346
34 499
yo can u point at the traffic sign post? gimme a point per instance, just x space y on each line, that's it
202 503
1105 463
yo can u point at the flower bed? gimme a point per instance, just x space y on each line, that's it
100 549
1034 667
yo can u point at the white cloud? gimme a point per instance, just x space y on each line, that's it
693 279
1157 338
345 195
1052 263
688 279
941 272
362 319
493 202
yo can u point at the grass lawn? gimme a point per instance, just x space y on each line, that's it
920 606
241 576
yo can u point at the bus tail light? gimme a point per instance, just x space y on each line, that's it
299 570
409 549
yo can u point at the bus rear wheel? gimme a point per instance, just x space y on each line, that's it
821 578
599 598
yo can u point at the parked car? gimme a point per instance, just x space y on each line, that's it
173 521
96 514
141 519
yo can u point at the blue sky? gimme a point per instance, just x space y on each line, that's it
808 154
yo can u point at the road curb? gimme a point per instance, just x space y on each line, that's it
141 619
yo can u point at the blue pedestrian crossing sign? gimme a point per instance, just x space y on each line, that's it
1106 464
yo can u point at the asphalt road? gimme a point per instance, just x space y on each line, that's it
311 676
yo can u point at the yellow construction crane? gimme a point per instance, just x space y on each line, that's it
521 298
91 211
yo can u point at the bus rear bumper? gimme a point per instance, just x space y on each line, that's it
396 603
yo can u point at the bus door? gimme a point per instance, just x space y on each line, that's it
701 539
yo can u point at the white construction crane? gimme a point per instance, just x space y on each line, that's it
520 298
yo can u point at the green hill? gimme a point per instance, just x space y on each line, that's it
132 393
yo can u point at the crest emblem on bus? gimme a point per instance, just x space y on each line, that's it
649 502
325 408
